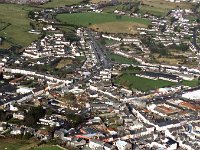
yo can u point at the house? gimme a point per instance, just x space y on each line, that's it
123 145
96 144
42 135
2 126
108 146
19 115
16 131
77 142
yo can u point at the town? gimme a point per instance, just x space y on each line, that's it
101 76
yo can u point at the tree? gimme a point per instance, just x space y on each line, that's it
33 116
31 14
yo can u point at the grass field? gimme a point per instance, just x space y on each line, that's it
60 3
90 18
192 83
97 1
104 22
3 25
161 7
118 27
16 144
47 147
120 59
139 83
17 16
64 62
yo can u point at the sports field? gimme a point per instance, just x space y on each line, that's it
14 24
139 83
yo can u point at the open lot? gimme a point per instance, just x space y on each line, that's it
60 3
16 32
104 22
139 83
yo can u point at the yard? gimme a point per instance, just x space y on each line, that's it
104 22
60 3
139 83
16 32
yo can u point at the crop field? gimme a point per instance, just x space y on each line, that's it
104 22
16 32
60 3
139 83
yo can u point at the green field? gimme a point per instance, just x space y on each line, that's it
120 59
88 18
19 144
16 32
47 147
3 25
16 144
141 84
60 3
192 83
161 7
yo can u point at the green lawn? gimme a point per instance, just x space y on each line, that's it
120 59
17 16
89 18
60 3
192 83
139 83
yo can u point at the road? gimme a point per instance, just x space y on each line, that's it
98 51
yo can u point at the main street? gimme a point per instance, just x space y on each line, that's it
98 51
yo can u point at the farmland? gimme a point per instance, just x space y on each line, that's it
118 27
14 24
139 83
104 22
87 18
60 3
161 7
